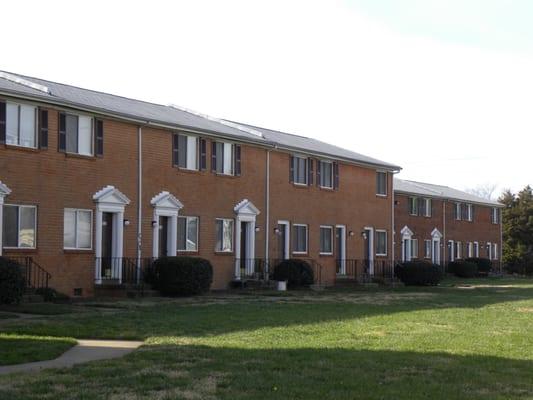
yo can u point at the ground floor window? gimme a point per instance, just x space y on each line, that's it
224 235
20 226
188 234
381 243
299 232
414 248
427 248
77 229
326 240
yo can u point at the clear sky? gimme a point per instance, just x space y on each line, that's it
442 88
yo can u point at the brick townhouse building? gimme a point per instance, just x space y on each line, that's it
92 183
442 224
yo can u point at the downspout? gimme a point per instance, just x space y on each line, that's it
445 244
267 216
393 230
501 239
139 203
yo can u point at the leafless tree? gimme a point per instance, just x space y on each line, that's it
485 190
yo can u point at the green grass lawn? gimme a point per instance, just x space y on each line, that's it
17 349
463 340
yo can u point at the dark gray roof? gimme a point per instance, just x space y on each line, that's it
305 144
122 106
444 192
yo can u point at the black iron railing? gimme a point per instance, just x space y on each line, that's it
253 268
122 270
35 276
365 270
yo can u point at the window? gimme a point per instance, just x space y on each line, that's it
413 205
470 248
77 133
187 152
77 229
457 211
469 212
188 234
299 170
21 126
458 247
476 249
381 243
299 238
495 251
19 226
451 250
326 240
427 248
427 207
226 158
414 248
224 238
489 250
381 183
325 169
495 215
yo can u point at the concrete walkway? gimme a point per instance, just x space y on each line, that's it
84 351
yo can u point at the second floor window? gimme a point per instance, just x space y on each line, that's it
458 207
187 152
188 233
469 212
495 215
20 226
325 171
299 170
412 203
226 158
381 183
76 134
21 125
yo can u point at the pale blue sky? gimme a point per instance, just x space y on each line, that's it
442 88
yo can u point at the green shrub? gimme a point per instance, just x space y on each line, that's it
50 294
182 276
463 269
419 273
12 282
297 273
484 265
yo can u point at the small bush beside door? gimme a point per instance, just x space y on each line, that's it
12 282
297 273
181 276
419 273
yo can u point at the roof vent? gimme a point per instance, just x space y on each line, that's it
220 121
24 82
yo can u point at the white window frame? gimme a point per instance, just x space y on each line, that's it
476 249
186 217
495 215
494 251
428 204
306 238
77 210
18 230
414 248
413 205
458 211
195 140
227 148
232 236
384 231
319 167
386 183
325 253
459 247
469 213
295 158
427 248
451 250
35 124
470 249
78 116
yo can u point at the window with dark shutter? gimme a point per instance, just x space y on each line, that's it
99 138
62 142
175 149
237 149
318 167
291 169
214 157
43 129
421 206
2 123
310 171
203 154
335 176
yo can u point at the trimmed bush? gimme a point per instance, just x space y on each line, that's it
12 282
297 273
484 265
463 269
182 276
419 273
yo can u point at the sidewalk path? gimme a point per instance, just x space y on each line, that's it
84 351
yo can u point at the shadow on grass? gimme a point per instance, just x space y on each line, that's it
232 373
18 349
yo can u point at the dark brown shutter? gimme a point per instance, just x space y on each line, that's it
214 157
291 169
335 176
318 162
175 148
237 150
43 129
203 154
99 138
62 142
473 207
310 171
2 122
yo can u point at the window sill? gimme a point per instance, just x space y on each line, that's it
78 251
327 189
224 253
381 255
226 175
325 254
22 148
188 170
298 253
382 196
187 252
19 250
80 156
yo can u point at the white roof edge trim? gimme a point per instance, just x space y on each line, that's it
218 120
24 82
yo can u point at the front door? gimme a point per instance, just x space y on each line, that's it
163 236
282 237
369 251
107 245
435 254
